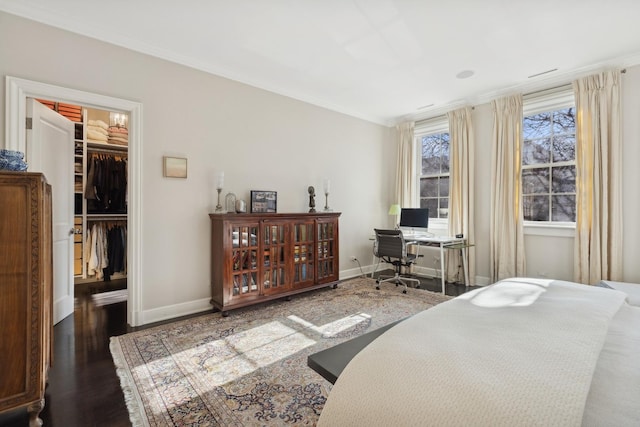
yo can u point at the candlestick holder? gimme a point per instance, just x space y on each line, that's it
326 202
219 206
327 187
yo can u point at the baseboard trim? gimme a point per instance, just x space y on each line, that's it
176 310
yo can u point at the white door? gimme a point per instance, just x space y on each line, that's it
49 150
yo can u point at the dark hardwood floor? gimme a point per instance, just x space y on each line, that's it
84 389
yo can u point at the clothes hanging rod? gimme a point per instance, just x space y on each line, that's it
111 217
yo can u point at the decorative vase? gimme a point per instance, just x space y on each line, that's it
241 206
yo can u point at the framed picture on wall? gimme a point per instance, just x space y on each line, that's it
174 167
264 201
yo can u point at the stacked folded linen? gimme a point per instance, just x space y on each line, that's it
97 131
118 135
12 160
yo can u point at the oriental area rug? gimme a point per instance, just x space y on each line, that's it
250 368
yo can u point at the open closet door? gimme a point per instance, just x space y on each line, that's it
50 150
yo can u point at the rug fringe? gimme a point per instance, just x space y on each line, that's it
131 395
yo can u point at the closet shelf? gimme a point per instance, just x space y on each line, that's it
95 146
106 217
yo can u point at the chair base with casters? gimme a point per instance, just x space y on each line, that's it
397 278
390 247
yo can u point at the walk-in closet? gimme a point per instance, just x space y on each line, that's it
100 210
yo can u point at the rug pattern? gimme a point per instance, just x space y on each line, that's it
250 368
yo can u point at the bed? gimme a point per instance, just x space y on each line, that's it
520 352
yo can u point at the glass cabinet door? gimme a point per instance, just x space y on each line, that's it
326 250
303 254
245 260
274 272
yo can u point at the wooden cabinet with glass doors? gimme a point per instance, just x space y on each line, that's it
258 257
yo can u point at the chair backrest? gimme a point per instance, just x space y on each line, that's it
390 243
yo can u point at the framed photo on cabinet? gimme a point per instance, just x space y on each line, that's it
174 167
264 201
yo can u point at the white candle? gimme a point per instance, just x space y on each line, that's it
327 186
220 180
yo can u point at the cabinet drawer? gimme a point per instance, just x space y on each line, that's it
77 267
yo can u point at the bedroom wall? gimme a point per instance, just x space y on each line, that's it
631 172
259 139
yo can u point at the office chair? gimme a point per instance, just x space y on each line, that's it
391 248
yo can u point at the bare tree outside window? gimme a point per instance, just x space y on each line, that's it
549 167
434 178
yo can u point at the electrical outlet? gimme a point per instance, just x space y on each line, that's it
352 258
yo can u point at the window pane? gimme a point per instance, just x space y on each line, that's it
430 154
535 180
536 151
429 187
564 121
564 179
432 205
444 186
536 208
444 150
564 208
564 148
443 212
537 126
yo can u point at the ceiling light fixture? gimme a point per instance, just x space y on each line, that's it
540 74
465 74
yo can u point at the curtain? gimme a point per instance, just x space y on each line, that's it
406 173
506 229
461 194
598 239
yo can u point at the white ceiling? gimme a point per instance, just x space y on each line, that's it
380 60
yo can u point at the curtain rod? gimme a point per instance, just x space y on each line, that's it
563 86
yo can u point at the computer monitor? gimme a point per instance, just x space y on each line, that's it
414 218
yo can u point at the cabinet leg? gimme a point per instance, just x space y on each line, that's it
34 411
225 314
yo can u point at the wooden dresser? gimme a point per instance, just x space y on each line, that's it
258 257
26 266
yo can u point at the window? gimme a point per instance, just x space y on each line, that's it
433 146
548 164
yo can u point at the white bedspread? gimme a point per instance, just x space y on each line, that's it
521 352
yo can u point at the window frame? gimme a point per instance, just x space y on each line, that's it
424 128
541 102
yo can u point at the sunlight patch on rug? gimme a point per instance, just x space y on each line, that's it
250 368
336 327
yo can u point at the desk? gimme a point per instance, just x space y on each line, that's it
443 242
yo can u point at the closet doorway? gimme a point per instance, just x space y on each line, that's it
18 90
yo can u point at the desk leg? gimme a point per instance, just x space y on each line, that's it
442 265
465 269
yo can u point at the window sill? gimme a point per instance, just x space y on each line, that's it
563 229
